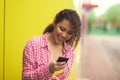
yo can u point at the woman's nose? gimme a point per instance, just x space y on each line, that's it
64 35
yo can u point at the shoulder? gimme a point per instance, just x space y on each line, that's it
68 47
35 40
69 51
38 41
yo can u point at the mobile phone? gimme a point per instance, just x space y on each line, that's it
62 59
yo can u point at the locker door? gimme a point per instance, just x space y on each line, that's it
25 19
1 37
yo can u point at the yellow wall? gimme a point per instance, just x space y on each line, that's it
1 37
25 19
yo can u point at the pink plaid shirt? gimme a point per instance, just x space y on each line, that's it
36 59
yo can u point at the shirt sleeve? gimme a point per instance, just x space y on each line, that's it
65 74
30 70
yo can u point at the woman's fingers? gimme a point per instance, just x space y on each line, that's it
56 66
60 63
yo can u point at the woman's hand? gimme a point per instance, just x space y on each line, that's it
56 66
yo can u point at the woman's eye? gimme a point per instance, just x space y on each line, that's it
62 29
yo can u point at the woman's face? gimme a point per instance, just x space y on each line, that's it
62 31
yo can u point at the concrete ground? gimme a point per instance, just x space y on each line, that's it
100 57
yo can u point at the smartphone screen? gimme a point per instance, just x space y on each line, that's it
62 59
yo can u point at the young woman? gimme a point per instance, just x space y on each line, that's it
60 39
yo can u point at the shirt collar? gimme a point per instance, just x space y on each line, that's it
44 42
66 47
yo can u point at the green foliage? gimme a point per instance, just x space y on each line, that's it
112 14
91 16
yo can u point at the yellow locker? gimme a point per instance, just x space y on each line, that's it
1 37
25 19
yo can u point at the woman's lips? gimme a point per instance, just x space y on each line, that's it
60 38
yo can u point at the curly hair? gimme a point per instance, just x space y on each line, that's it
74 19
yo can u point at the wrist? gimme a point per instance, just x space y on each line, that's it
51 69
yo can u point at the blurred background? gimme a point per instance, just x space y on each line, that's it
97 55
100 50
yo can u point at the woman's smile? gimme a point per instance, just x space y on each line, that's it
59 39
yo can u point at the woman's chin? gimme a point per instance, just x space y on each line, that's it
59 42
